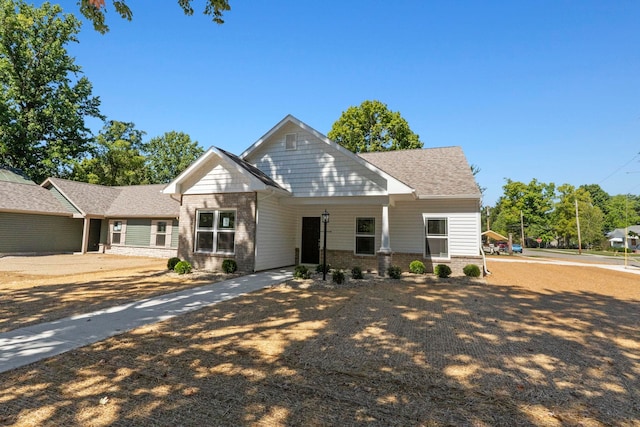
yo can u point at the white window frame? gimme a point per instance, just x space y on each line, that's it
113 225
444 236
167 233
365 235
215 229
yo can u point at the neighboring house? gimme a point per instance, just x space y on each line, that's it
263 208
32 219
68 216
617 240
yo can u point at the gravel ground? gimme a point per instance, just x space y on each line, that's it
532 345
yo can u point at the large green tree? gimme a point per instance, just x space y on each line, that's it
168 155
117 157
373 127
44 99
94 11
527 205
622 210
589 215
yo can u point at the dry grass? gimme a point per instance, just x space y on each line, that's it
535 345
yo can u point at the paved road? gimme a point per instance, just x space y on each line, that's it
632 259
33 343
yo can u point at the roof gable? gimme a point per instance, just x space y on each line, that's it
315 166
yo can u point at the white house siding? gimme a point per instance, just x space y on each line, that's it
314 169
341 232
274 233
219 178
406 225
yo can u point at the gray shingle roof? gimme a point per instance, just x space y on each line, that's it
125 201
144 201
432 172
29 198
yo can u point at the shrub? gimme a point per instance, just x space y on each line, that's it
417 267
183 267
442 271
356 273
229 266
337 277
471 270
394 272
319 268
301 272
172 262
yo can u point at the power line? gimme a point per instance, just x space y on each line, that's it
620 168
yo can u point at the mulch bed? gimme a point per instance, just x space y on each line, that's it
411 352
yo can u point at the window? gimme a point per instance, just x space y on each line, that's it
215 231
161 233
365 236
117 232
290 141
436 238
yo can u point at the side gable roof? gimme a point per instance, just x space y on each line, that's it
258 179
433 172
124 201
29 199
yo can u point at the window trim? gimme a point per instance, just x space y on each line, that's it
167 233
215 230
364 235
122 231
294 146
445 237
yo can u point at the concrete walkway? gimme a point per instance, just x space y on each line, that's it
33 343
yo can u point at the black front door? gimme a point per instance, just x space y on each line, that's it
94 234
310 251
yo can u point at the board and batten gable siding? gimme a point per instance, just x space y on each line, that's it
275 234
406 225
63 200
217 178
314 168
341 232
26 233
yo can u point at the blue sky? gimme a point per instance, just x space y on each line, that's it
529 89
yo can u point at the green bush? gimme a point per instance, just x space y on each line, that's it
471 270
442 270
301 272
183 267
319 268
417 267
229 266
356 273
394 272
337 277
172 262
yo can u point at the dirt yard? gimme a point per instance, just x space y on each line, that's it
532 345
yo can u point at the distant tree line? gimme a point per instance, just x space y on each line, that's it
547 212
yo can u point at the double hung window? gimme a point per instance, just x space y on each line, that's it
215 231
436 238
365 236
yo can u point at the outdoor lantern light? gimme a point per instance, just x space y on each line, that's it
325 220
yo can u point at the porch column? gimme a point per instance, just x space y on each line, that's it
85 235
384 240
385 257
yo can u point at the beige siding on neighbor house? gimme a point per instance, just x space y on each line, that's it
314 168
219 178
406 225
275 233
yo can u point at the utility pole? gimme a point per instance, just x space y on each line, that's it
522 229
578 226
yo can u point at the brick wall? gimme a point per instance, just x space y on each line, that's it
245 206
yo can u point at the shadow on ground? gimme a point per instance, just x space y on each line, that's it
390 354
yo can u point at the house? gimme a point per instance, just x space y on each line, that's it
617 237
32 219
68 216
263 208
